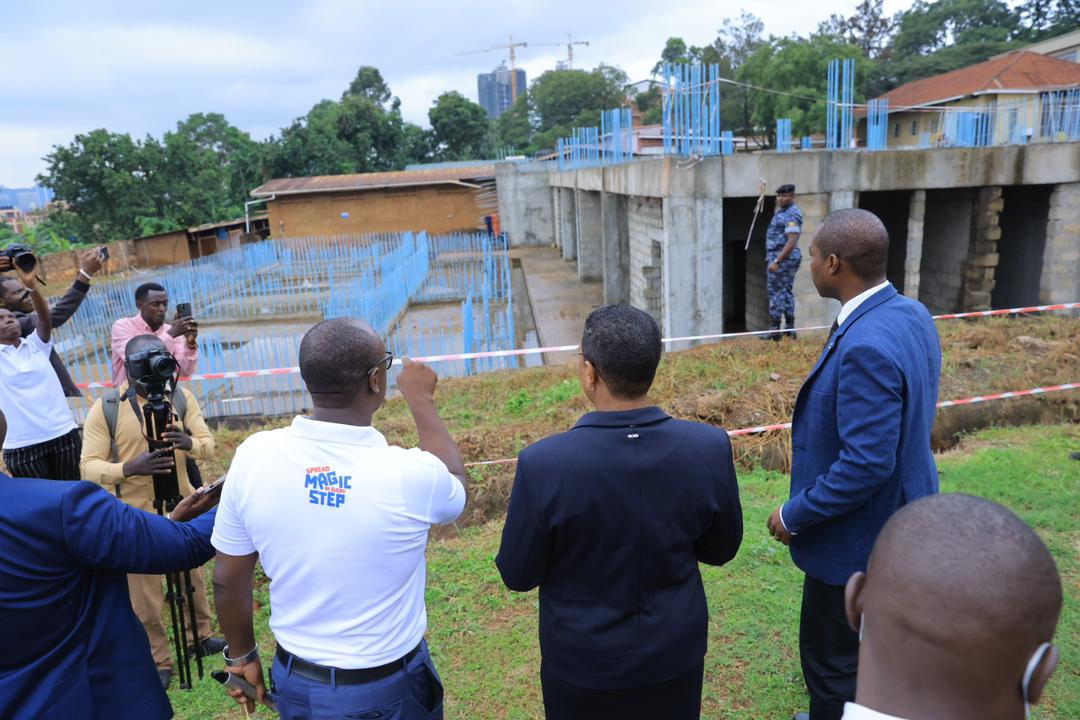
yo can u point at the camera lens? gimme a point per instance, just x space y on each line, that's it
163 366
25 261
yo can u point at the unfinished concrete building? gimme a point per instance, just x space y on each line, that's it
969 228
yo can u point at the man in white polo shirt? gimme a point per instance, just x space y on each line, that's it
43 439
340 521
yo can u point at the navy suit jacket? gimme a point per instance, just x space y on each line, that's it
72 646
610 519
860 434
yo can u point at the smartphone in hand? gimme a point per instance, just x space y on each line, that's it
183 310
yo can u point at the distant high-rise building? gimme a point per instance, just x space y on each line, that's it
497 90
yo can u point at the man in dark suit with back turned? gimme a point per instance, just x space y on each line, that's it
860 442
71 644
611 519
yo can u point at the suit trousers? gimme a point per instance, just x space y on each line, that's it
148 601
413 693
676 699
828 648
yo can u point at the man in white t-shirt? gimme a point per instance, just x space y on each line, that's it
340 521
43 439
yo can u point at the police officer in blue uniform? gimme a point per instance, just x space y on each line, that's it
783 257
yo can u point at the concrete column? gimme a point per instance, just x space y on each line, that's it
982 252
811 308
590 236
841 200
568 219
693 266
614 215
913 256
556 205
1060 279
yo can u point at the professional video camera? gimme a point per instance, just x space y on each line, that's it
152 372
21 256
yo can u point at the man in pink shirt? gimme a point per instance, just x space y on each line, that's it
152 302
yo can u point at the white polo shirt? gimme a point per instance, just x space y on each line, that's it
340 521
30 394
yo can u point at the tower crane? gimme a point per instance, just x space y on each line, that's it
511 47
570 43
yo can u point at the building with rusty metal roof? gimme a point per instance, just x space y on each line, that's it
438 198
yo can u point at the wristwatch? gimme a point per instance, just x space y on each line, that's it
242 660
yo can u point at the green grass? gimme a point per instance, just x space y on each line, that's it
484 641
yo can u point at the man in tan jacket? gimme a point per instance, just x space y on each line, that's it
129 476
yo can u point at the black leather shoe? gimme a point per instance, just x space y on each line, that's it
209 646
165 676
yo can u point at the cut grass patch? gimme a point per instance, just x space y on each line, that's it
484 638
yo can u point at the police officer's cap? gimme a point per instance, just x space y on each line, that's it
788 188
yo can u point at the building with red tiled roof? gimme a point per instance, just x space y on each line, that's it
1011 87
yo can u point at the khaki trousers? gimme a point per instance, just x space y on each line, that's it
148 600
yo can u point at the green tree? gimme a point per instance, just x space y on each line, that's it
1048 18
369 83
790 78
311 145
108 182
869 28
564 99
515 127
460 128
930 26
208 169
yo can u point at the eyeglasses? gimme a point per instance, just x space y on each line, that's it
389 360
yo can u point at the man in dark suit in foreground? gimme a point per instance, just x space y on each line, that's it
72 646
611 520
860 442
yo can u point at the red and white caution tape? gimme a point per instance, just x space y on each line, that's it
566 348
787 426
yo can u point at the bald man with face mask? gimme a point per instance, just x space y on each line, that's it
955 614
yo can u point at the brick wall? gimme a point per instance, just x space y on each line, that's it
982 260
946 237
1061 259
646 229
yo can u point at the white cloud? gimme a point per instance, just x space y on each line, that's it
22 147
140 68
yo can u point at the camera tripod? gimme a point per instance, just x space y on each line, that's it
179 590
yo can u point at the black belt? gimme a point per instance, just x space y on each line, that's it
358 676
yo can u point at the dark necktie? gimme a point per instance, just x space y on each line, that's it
832 331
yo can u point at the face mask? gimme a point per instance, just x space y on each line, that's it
1033 663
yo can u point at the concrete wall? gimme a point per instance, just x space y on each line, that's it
946 237
590 235
1061 261
943 208
815 172
645 230
615 215
526 206
437 209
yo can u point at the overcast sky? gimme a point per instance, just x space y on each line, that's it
139 67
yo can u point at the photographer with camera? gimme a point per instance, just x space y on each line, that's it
179 338
44 439
116 455
16 298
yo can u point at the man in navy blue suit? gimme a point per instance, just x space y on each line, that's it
72 646
860 442
611 520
